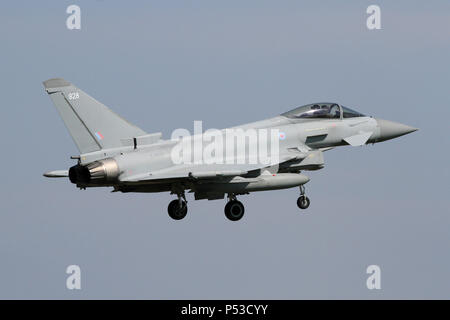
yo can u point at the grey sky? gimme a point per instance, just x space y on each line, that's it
162 66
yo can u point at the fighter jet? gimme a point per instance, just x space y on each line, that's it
115 153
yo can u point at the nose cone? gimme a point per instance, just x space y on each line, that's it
391 129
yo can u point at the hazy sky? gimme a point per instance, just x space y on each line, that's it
163 65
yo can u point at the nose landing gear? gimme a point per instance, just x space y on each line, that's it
303 201
234 209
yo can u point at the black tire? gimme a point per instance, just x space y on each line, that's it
303 202
174 210
234 210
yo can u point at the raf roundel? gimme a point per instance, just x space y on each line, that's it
99 135
282 135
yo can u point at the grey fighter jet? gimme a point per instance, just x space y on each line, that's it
114 153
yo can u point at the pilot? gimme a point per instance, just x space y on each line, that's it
334 111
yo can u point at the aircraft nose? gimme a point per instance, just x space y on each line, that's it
391 129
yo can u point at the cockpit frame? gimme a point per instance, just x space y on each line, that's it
323 110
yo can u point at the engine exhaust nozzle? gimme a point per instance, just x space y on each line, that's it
97 172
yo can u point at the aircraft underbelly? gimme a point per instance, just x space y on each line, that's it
261 183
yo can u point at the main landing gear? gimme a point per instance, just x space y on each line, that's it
234 209
177 209
303 201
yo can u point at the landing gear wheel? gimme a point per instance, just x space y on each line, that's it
176 211
303 202
234 210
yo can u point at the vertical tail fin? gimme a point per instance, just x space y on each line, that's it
92 125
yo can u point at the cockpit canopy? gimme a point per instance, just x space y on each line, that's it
322 111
